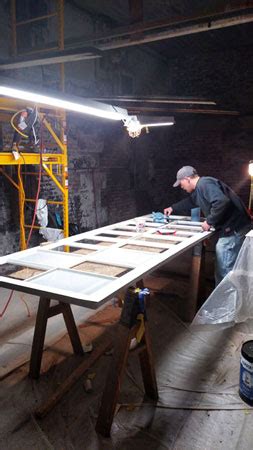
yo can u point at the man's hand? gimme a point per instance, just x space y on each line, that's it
167 211
205 226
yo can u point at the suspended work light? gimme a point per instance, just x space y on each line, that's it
134 126
69 103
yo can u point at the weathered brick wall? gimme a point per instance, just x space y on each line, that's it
223 76
113 177
220 146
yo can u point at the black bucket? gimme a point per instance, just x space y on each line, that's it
246 373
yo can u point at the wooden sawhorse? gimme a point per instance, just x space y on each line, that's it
127 329
45 311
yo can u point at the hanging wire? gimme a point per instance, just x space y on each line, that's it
34 216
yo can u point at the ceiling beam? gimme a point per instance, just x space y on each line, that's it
175 22
137 34
157 99
51 57
168 111
150 32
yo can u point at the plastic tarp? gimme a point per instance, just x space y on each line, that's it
232 300
51 234
42 212
197 375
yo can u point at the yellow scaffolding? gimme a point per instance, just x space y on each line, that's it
54 165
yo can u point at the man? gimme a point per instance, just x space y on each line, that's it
222 209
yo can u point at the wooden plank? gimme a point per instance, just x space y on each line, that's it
53 57
46 407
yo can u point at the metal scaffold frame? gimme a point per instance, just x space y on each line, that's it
54 165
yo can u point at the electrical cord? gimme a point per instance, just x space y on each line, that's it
22 211
14 126
38 189
28 206
7 304
35 118
33 220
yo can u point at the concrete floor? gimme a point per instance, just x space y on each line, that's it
197 374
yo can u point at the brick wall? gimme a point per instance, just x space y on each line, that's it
113 177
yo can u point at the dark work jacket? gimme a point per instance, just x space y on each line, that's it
220 205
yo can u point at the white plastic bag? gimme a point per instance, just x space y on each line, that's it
42 212
51 234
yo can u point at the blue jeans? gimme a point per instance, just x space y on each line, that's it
227 249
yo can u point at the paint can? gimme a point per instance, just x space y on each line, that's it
140 224
246 373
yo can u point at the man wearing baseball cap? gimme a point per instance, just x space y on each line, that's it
222 209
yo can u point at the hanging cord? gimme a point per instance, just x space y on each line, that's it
22 192
7 304
36 140
32 124
39 185
34 216
14 126
26 305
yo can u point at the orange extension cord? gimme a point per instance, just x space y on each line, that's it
31 230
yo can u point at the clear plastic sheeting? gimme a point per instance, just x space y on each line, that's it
51 234
232 300
42 212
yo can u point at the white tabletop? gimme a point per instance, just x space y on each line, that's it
69 269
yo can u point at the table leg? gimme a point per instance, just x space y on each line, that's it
43 314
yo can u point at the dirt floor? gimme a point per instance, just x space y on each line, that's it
197 375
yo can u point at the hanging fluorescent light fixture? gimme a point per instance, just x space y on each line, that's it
68 103
134 126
